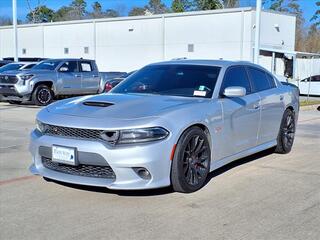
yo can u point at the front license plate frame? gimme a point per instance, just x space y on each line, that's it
65 155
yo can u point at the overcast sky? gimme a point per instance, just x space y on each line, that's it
123 6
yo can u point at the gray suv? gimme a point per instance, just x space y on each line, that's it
50 79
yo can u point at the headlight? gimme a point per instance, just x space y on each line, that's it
26 77
142 135
40 126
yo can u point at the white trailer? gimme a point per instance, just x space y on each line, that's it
128 43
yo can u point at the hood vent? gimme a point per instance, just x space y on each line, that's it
98 104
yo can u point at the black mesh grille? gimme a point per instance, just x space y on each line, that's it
80 133
72 132
8 79
81 170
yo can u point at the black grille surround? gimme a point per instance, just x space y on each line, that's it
7 79
80 170
78 133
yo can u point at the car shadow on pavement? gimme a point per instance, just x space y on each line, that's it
167 190
6 105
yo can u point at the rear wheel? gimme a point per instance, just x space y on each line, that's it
191 163
42 95
286 133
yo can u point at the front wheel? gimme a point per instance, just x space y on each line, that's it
42 95
286 133
191 162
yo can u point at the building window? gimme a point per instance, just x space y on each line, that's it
190 47
24 51
86 50
66 50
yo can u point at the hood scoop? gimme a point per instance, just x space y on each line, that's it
97 104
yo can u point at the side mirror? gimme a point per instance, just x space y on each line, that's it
234 92
63 69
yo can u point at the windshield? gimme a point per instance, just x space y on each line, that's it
176 80
11 66
47 65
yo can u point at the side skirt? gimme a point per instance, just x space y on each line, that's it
224 161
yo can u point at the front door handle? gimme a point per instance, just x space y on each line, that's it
281 97
77 75
95 75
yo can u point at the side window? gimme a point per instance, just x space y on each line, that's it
70 66
86 67
271 80
259 79
315 78
236 77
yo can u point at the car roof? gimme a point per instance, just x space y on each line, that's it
25 63
67 59
218 63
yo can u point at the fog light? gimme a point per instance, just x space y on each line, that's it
142 172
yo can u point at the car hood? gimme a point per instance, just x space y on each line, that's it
121 106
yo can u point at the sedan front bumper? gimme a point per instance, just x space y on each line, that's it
155 157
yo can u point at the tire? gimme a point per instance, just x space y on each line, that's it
14 102
42 95
286 133
190 169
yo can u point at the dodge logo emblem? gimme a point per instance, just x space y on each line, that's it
6 78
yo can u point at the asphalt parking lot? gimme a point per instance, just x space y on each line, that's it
265 196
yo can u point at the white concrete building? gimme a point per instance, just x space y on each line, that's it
128 43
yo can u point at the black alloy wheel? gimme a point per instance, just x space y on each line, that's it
286 132
42 95
191 163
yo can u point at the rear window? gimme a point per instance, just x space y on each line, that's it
271 80
86 67
259 79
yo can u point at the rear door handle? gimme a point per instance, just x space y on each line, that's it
77 75
95 75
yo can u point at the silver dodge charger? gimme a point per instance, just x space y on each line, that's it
170 123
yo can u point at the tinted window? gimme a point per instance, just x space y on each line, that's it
72 66
271 80
236 77
172 79
86 67
29 66
11 66
315 78
259 79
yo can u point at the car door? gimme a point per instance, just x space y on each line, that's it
90 77
241 114
69 78
271 103
310 86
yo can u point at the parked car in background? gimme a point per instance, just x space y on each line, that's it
50 79
115 81
4 62
170 123
17 66
108 76
310 86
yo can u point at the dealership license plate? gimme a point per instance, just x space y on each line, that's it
64 155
